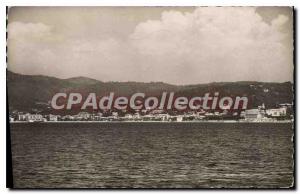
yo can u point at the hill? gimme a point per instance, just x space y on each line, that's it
34 92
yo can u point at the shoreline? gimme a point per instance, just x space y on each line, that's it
212 121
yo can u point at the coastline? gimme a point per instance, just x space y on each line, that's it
211 121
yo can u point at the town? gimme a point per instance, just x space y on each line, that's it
283 113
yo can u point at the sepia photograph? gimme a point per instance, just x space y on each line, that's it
151 97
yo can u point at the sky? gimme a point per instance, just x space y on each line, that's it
176 45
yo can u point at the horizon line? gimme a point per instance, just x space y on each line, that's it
7 71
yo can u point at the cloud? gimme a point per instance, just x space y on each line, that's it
215 44
29 51
206 45
19 30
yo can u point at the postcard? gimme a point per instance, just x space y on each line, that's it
150 97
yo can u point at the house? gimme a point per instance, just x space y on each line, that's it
53 117
163 117
115 114
179 118
137 115
128 116
30 117
278 112
253 114
82 115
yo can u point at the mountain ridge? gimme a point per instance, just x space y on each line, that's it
87 78
28 92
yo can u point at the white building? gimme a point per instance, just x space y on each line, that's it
136 115
82 115
163 117
30 117
276 112
68 117
179 118
253 114
114 114
128 116
53 117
